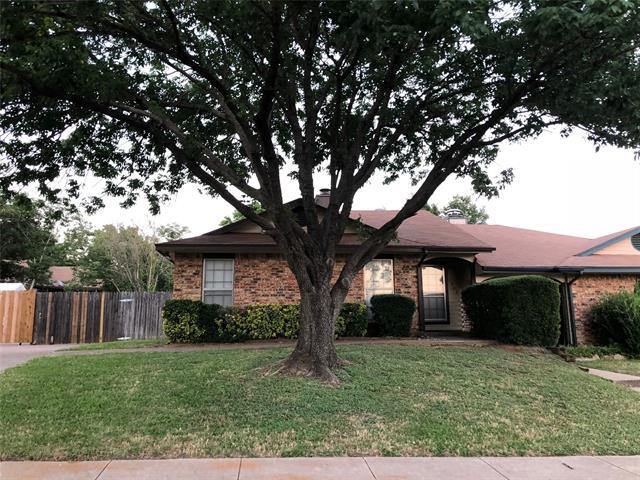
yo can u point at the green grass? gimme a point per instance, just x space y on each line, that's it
632 367
120 344
394 400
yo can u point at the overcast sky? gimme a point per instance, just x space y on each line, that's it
561 185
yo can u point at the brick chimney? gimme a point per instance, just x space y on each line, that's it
322 198
454 215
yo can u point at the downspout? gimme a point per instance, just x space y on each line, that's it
572 313
565 312
421 326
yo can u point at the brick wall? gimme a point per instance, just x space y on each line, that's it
187 276
587 291
405 279
258 278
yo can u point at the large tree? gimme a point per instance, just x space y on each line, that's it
236 95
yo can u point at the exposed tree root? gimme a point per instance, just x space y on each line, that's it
303 365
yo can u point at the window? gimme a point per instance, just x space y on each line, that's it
434 299
378 278
217 285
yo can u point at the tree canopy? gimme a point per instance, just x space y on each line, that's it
237 95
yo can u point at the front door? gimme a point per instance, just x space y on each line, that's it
434 295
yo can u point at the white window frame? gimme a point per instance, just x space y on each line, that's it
378 291
206 290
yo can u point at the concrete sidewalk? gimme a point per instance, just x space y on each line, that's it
632 381
336 468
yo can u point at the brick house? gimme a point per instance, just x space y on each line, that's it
431 260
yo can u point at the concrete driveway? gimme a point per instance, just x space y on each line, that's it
12 354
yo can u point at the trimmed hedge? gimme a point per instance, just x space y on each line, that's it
616 319
393 314
186 321
524 310
260 322
189 321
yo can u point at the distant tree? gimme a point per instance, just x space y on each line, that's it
432 207
255 205
27 240
466 205
171 231
77 236
125 259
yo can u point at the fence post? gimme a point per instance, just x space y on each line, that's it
101 317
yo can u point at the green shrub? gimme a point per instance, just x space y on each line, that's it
524 310
393 314
355 319
587 351
616 319
260 322
190 321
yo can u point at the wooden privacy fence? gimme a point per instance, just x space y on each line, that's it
16 316
86 317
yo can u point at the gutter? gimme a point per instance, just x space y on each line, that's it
602 270
570 270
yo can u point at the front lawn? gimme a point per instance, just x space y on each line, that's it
394 400
116 344
632 367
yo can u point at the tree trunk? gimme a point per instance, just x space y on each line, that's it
315 353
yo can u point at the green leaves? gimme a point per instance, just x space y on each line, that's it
148 96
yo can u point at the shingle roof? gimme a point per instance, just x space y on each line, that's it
422 231
497 247
425 229
519 248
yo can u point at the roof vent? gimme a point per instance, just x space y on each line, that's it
455 215
635 241
322 198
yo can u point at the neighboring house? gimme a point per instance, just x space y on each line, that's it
61 275
431 260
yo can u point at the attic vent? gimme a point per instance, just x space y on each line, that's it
635 241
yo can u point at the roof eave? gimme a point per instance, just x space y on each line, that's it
253 248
